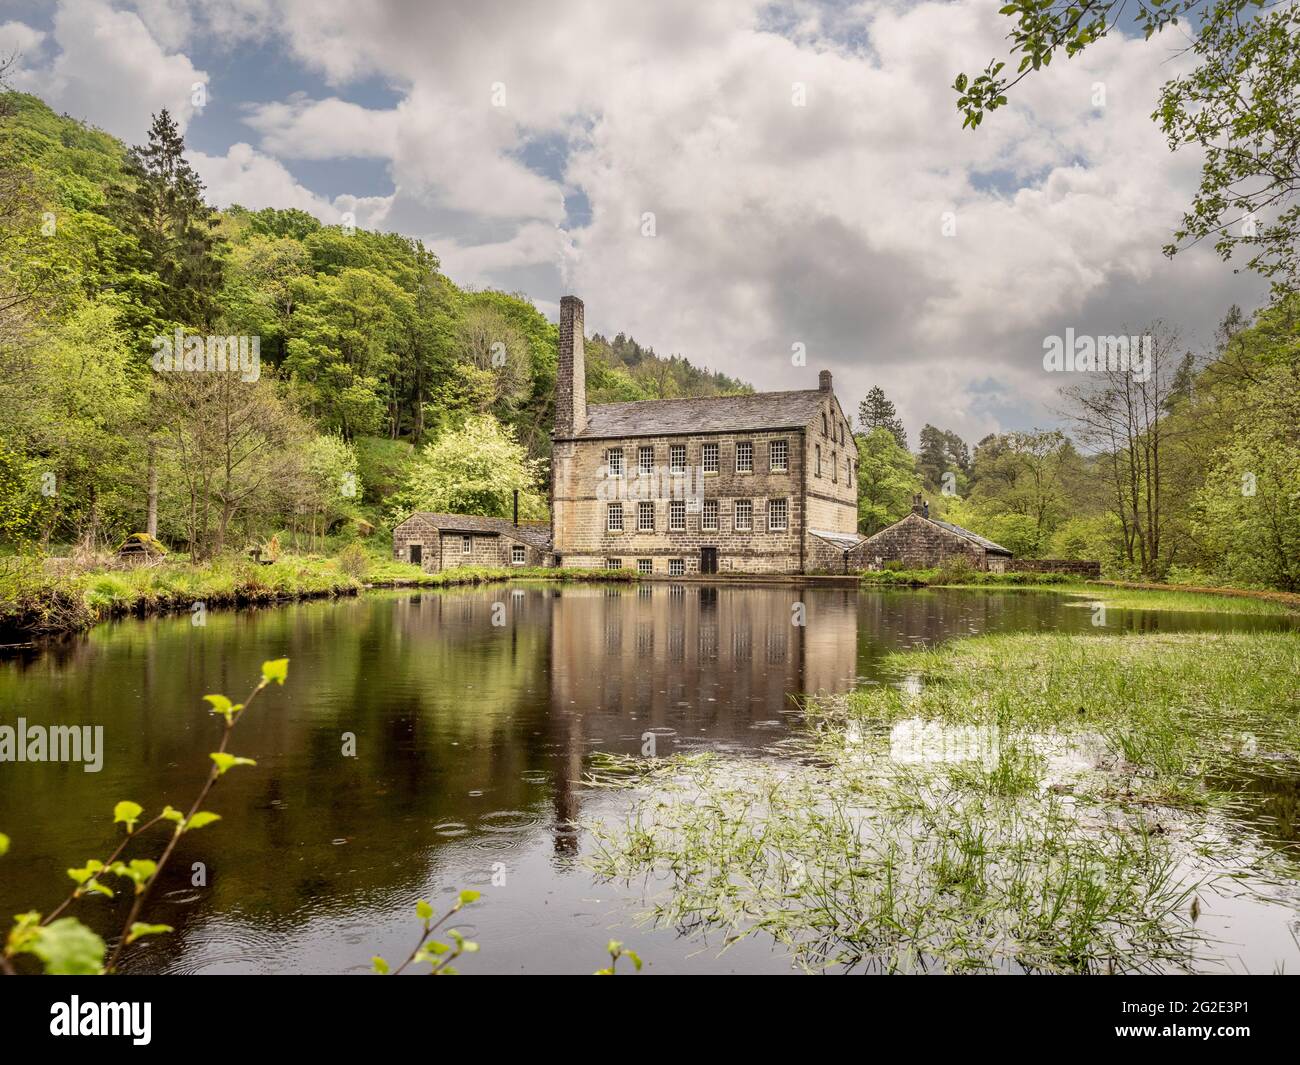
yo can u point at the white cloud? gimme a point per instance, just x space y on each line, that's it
110 71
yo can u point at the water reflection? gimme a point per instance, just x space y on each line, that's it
473 712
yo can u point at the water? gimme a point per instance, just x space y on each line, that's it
471 740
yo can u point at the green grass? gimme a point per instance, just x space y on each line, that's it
1118 597
1001 811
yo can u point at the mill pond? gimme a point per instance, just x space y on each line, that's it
428 742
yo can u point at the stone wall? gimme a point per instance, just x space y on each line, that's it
445 549
918 544
1088 570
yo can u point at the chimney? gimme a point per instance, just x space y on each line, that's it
925 509
516 508
824 380
570 372
916 503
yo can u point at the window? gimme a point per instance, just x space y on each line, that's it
848 469
614 461
676 567
677 458
709 516
614 519
824 432
645 517
677 515
613 563
517 554
777 513
645 566
709 458
744 457
835 468
466 545
744 510
778 453
645 459
819 460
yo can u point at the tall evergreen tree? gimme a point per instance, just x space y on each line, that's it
877 412
162 206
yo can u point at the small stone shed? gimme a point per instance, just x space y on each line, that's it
919 541
436 542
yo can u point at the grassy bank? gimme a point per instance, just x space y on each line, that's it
1118 595
33 603
1043 803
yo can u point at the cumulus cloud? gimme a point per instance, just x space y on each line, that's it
111 71
803 163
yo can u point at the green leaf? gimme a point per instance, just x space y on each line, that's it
128 813
139 929
636 958
87 871
378 965
66 947
198 820
467 896
275 671
4 844
228 761
423 910
170 813
221 705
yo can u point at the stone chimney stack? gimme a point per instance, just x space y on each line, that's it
570 372
824 380
917 506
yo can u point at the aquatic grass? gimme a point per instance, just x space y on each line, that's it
1004 806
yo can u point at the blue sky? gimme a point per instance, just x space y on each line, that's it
528 144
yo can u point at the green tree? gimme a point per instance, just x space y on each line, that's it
886 480
877 412
475 469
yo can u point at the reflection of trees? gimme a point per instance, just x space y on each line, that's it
454 718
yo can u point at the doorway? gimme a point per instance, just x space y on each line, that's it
708 560
417 554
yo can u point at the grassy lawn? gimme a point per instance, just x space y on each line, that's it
1035 802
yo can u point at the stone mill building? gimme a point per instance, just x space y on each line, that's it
759 483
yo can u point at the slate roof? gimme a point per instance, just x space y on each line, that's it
537 535
974 538
844 541
655 417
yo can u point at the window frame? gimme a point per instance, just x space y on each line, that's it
673 464
704 511
644 507
645 566
704 458
745 447
610 452
676 515
518 555
772 467
748 506
642 467
677 567
610 510
466 544
785 515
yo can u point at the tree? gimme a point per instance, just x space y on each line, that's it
886 480
1123 417
877 412
1236 109
942 451
161 204
475 469
1023 475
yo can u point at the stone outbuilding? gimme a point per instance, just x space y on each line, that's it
919 541
436 542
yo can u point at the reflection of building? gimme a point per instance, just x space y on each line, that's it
719 484
687 664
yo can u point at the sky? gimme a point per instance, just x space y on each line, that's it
737 182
